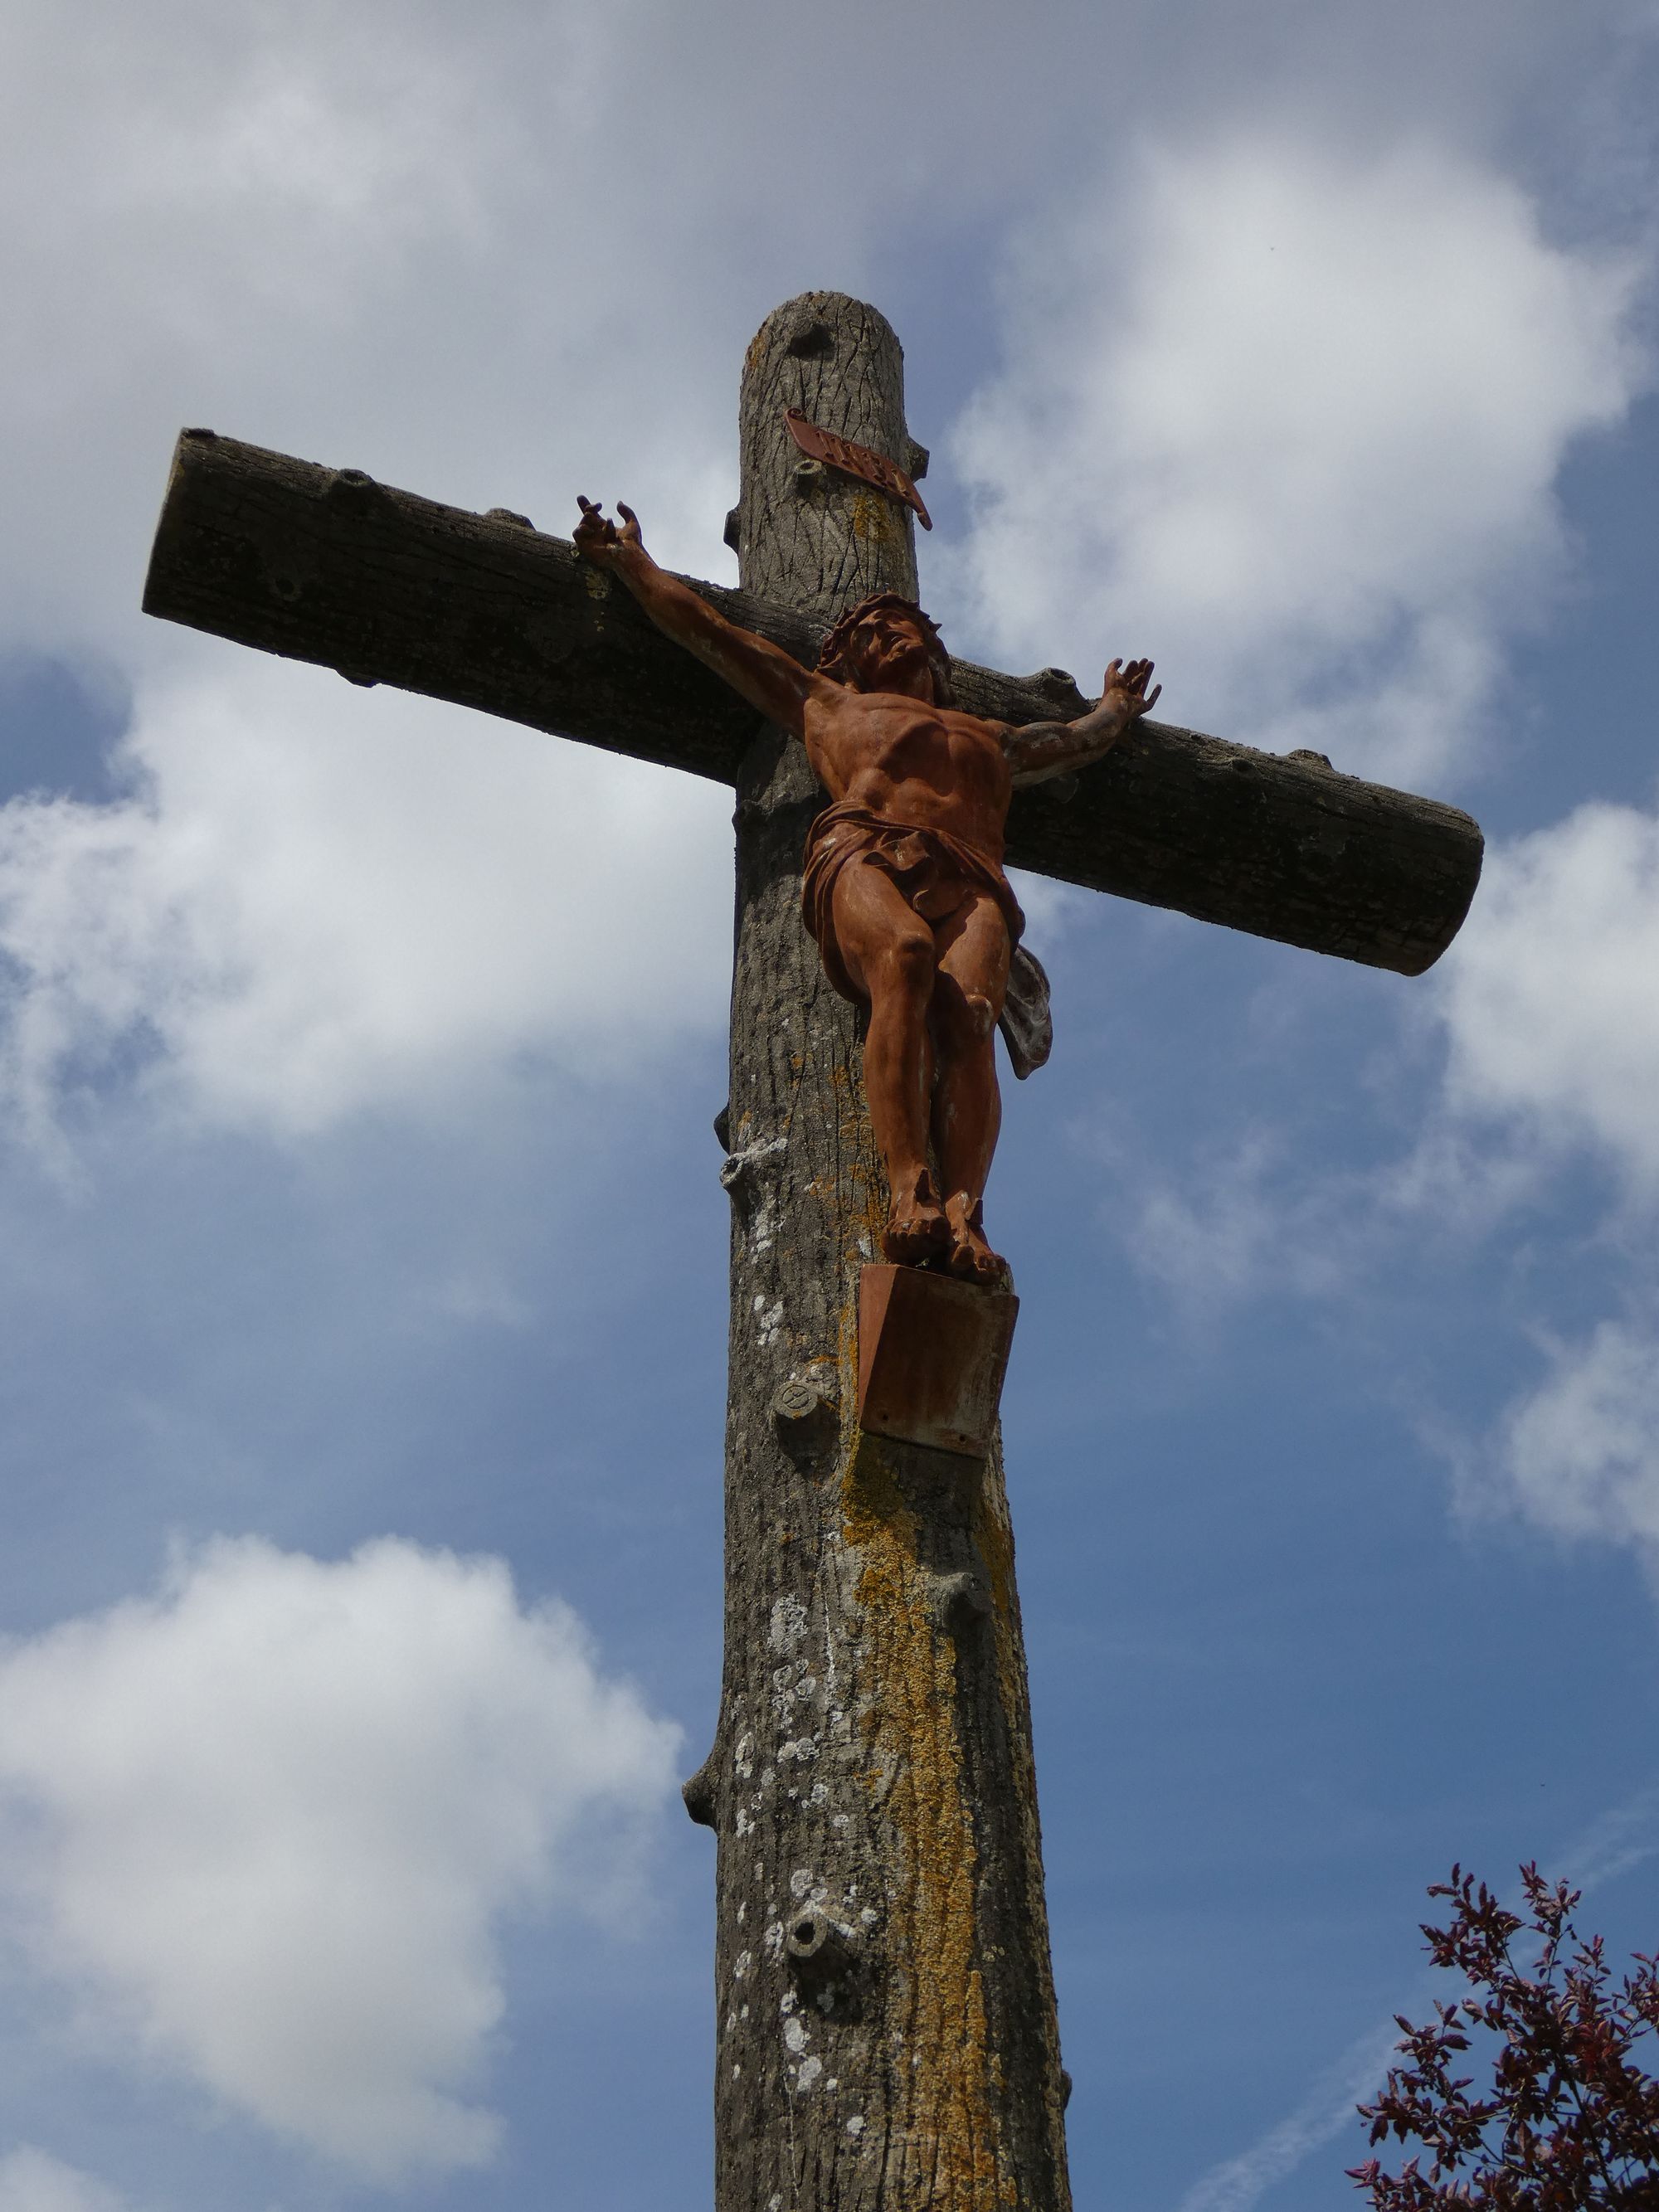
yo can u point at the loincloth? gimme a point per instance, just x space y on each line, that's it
935 871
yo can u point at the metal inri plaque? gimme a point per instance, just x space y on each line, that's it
874 469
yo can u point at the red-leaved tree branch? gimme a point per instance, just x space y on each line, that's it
1571 2119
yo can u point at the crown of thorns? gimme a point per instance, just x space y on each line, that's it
833 658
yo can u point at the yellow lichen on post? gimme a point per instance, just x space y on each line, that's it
943 2067
994 1539
993 1533
874 518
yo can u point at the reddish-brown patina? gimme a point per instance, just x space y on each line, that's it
903 885
854 460
932 1357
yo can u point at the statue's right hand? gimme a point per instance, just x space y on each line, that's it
597 538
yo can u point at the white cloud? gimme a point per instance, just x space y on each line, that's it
32 2180
1288 421
1327 2109
328 229
1579 1455
489 254
404 238
321 899
485 252
1552 1026
1615 1842
1233 1219
1549 995
1547 1009
266 1825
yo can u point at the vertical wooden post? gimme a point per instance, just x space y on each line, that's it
886 2018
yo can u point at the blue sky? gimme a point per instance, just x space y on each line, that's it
361 1364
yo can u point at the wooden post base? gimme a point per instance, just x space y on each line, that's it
932 1352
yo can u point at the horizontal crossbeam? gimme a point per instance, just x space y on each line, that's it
328 566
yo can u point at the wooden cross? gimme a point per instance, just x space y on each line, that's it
886 2034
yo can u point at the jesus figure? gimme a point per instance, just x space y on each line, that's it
903 887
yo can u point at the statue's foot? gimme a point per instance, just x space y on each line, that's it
971 1258
917 1229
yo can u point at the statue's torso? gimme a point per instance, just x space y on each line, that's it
912 762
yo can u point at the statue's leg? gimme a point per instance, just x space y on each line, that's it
972 982
888 951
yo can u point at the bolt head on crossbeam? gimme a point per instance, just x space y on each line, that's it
326 565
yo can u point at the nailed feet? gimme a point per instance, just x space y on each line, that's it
921 1233
917 1230
971 1257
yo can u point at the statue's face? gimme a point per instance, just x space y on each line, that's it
890 651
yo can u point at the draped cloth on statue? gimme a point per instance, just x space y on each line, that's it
935 871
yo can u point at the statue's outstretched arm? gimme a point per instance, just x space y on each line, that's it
759 670
1044 749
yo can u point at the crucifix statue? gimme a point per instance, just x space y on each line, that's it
886 2035
902 885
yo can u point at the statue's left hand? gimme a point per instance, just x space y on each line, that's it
1125 689
597 538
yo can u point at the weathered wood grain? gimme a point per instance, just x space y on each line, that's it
885 2017
324 565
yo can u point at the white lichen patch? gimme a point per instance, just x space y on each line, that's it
742 1963
763 1228
794 2034
788 1624
855 2125
809 2071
